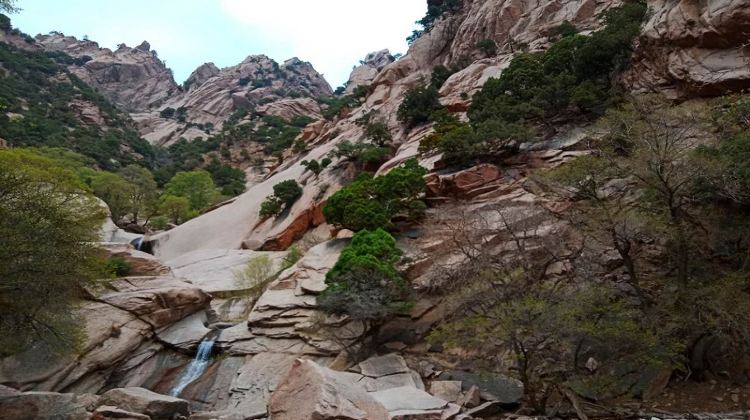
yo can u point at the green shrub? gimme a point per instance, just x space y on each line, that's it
488 47
118 267
372 203
159 223
231 181
288 192
434 12
271 207
439 75
197 186
419 105
567 29
316 167
167 112
364 284
575 72
361 153
285 194
378 133
293 255
255 276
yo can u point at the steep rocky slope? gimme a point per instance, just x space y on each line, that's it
264 339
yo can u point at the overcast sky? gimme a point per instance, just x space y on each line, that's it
332 34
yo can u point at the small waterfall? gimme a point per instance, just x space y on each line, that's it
196 367
137 243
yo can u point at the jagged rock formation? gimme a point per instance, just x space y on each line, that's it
138 82
368 69
134 79
212 95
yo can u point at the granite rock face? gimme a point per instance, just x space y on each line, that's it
134 79
692 48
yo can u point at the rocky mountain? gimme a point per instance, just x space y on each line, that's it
282 356
138 82
134 79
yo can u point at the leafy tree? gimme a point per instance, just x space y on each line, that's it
550 325
8 6
378 133
176 208
143 194
372 203
419 104
115 191
364 284
255 276
49 225
288 192
361 153
230 180
285 194
435 10
197 186
316 167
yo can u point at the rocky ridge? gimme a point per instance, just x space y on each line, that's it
140 83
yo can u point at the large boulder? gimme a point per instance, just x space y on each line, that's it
310 391
140 400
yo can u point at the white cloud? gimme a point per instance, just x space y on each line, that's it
332 34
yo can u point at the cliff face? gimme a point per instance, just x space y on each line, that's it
693 48
134 79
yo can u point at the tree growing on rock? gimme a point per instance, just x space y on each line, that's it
372 203
285 194
49 225
364 284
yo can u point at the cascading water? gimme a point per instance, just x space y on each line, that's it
137 243
196 367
